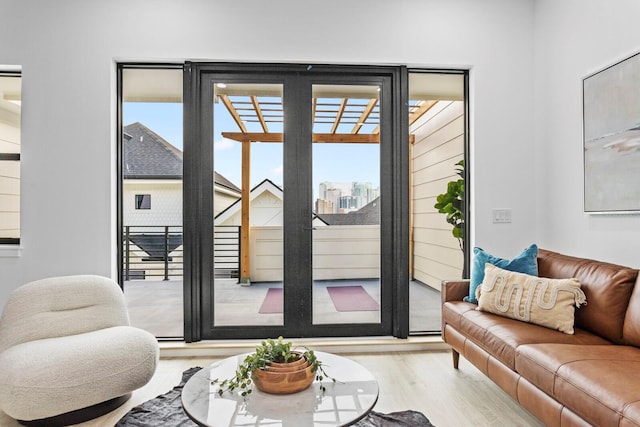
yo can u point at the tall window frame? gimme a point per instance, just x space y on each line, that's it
10 136
401 205
439 153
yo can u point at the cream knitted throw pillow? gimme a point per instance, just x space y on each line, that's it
545 302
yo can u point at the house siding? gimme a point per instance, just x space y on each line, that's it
438 146
166 203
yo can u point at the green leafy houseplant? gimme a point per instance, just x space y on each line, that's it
269 351
451 204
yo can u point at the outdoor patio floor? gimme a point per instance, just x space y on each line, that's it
157 307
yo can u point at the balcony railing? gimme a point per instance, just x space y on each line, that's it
339 252
154 252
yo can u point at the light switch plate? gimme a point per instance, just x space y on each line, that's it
501 216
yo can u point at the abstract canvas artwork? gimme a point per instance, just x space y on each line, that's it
611 138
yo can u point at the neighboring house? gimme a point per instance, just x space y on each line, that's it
356 238
369 214
266 208
152 200
152 180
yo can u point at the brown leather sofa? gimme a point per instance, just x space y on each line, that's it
589 378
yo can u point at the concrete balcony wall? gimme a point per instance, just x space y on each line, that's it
339 252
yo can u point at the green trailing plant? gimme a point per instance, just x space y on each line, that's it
451 204
269 351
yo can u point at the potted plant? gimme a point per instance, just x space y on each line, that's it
275 362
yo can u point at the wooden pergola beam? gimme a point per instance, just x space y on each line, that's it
338 138
339 114
420 111
256 107
327 138
315 109
245 221
234 113
365 114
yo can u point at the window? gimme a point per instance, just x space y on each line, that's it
150 165
143 201
10 107
439 141
235 106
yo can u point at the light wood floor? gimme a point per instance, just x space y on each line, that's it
424 381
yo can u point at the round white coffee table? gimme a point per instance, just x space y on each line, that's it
342 403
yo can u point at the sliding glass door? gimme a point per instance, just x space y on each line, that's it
312 245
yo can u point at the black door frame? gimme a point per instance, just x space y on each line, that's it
198 195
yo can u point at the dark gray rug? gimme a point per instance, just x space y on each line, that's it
166 411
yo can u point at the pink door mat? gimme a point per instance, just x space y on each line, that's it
352 298
272 301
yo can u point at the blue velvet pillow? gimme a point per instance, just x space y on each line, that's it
526 262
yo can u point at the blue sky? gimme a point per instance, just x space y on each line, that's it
332 162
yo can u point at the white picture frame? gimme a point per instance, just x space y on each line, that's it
611 138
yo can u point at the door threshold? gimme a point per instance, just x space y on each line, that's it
346 345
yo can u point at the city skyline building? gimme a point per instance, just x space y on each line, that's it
343 197
324 206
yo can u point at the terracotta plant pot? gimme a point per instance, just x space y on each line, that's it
284 378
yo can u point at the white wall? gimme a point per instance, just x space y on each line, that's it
575 38
68 49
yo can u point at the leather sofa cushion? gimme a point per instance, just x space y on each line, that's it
501 336
598 382
453 311
607 287
631 331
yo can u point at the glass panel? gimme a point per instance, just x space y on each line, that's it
152 263
436 128
10 114
247 200
346 223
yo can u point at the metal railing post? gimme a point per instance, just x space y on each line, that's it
239 253
126 253
166 252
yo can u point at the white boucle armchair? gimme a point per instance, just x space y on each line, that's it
68 352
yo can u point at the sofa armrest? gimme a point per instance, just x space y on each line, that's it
454 290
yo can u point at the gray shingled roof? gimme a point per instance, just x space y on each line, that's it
149 156
369 214
224 182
